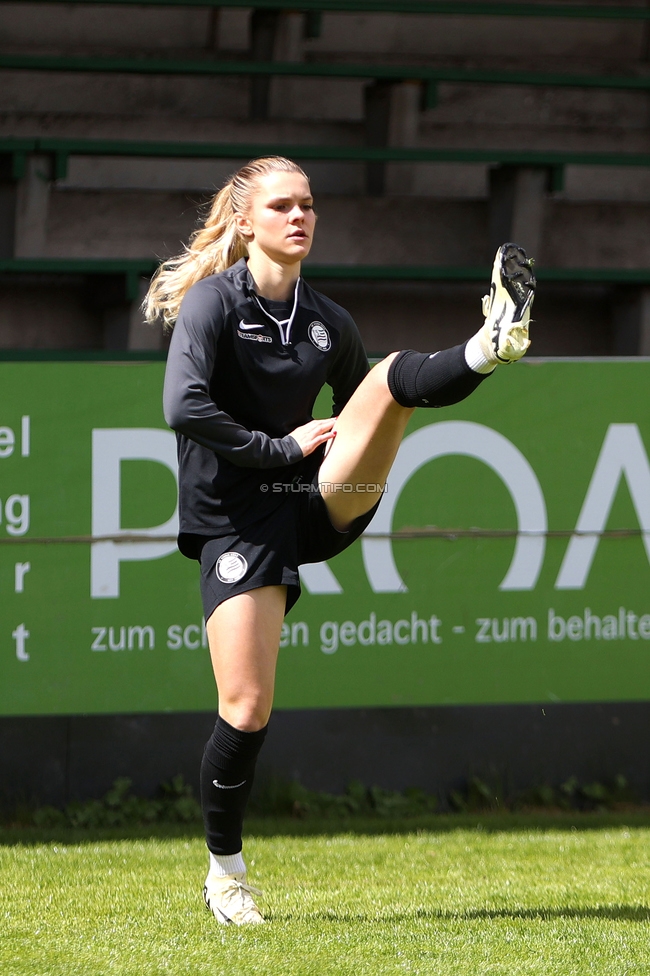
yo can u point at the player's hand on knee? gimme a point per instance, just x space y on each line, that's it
312 435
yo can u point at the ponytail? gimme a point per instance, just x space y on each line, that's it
215 246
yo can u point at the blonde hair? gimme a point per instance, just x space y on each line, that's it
213 247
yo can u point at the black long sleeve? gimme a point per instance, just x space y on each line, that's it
188 406
238 381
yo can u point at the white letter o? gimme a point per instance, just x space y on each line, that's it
495 450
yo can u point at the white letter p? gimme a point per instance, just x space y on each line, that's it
110 448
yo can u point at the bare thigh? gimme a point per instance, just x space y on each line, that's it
244 637
368 434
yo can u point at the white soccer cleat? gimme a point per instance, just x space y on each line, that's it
504 336
229 899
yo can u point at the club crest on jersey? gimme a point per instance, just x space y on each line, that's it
319 336
231 567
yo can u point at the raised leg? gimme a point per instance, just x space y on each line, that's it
368 434
371 425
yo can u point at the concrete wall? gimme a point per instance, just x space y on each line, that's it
46 312
570 320
431 213
54 760
73 27
43 312
436 315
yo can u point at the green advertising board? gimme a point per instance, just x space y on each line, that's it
509 560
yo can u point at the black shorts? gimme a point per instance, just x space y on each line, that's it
268 552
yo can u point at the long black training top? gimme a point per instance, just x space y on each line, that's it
238 380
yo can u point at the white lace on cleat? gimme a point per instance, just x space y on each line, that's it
229 899
504 337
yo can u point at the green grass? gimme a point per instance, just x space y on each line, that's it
490 894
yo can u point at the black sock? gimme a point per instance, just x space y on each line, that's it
227 773
418 379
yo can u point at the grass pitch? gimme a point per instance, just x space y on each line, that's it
449 895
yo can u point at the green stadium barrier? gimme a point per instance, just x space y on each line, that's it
509 562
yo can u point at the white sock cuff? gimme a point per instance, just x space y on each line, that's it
223 864
475 357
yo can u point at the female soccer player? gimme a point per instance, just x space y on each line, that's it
252 346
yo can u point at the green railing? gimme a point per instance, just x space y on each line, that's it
62 149
135 269
453 8
131 269
428 75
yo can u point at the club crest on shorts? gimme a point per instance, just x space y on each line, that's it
231 567
319 336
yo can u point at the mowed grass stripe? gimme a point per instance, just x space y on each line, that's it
464 901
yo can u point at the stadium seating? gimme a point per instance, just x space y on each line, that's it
432 131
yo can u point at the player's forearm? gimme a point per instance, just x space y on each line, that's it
205 424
